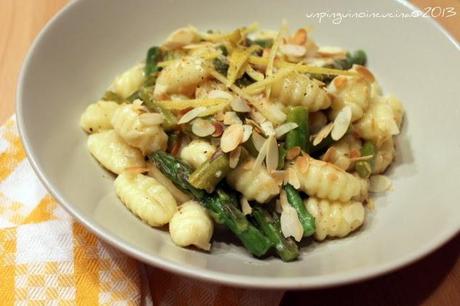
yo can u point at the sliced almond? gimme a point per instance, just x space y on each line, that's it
220 94
379 183
261 156
293 153
290 224
254 124
267 128
358 158
245 207
234 157
285 128
151 119
293 50
218 129
231 137
272 154
257 117
364 72
257 140
341 123
329 156
192 114
323 133
231 118
247 132
202 127
293 179
328 51
240 106
300 37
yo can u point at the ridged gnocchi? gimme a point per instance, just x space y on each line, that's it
298 89
146 198
113 153
191 225
197 152
128 82
254 184
181 77
379 122
335 219
342 153
327 181
139 128
352 91
384 156
98 116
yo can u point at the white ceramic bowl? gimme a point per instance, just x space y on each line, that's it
75 57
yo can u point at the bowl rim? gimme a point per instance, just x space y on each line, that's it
302 282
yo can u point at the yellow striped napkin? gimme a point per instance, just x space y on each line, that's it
46 258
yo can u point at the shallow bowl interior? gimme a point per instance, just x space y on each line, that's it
81 50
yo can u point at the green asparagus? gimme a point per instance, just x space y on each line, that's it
305 218
285 247
365 167
298 137
170 121
217 202
151 61
210 173
264 43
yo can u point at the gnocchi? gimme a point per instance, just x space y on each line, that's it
146 198
128 82
98 116
191 225
197 152
139 128
113 153
335 219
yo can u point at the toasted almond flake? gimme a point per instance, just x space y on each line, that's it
257 140
358 158
240 106
379 183
247 132
245 207
254 124
261 156
285 128
202 127
341 123
278 176
363 71
328 51
267 128
329 156
290 224
218 129
300 37
258 117
293 179
151 118
323 133
292 153
231 118
293 50
136 170
220 94
192 114
283 199
231 137
303 163
272 154
234 157
219 116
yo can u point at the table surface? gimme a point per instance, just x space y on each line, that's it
434 280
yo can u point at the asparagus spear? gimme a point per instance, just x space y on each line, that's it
170 121
210 173
298 137
307 220
285 247
219 203
365 167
